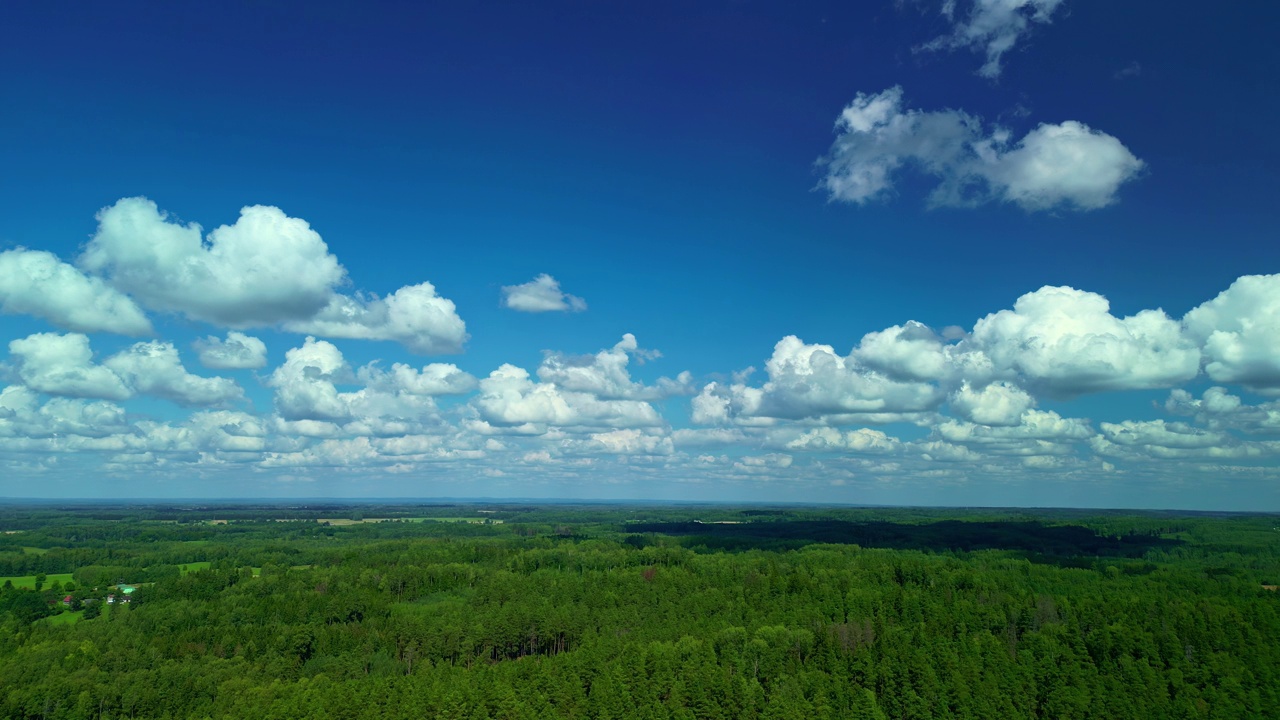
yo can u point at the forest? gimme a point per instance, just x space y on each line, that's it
612 611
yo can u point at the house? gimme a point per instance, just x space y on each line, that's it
111 599
67 601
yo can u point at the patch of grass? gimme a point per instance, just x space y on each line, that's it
193 567
65 618
29 581
34 550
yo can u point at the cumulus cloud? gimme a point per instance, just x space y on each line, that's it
154 368
1240 333
1219 409
433 379
541 294
992 27
1066 342
63 365
629 441
237 352
23 416
509 396
861 440
1038 433
809 381
999 403
265 269
1064 165
606 375
34 282
395 402
305 386
414 316
911 351
1157 439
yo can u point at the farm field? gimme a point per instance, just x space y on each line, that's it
562 611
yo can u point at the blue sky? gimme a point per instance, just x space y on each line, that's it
1008 252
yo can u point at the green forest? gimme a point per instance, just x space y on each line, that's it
506 610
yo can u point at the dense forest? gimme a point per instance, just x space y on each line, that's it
625 611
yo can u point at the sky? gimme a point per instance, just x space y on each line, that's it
925 252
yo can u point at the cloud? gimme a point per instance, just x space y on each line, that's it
1038 432
305 386
1240 333
22 416
541 294
605 373
999 403
34 282
993 27
1063 165
237 352
910 351
414 316
862 440
433 379
395 402
63 365
810 381
1066 342
154 368
265 269
510 397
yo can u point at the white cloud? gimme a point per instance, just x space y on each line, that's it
1219 409
861 440
1066 341
154 368
237 352
63 365
1064 164
992 27
433 379
999 403
414 316
265 269
910 351
305 383
938 451
630 441
1240 333
1157 439
808 381
34 282
1068 164
541 294
605 373
22 416
510 397
395 402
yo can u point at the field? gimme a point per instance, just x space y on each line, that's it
28 582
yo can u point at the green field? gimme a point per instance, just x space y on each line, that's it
29 581
65 618
193 567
